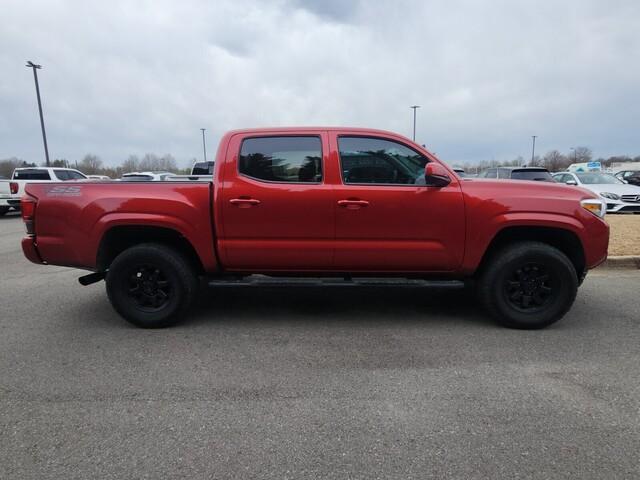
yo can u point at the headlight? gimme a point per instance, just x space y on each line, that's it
595 206
611 196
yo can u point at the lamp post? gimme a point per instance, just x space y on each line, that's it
35 68
414 107
204 145
575 155
533 149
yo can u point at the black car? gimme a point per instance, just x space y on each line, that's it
538 174
629 176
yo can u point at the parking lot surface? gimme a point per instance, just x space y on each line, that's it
313 383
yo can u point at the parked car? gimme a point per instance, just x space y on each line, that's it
146 176
619 197
321 202
629 176
6 196
518 173
202 168
460 171
24 175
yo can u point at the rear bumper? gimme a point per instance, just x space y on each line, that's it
10 202
30 250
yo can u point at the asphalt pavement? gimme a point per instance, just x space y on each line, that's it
313 383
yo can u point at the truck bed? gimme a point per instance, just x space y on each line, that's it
75 218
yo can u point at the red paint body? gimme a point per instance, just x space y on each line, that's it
239 224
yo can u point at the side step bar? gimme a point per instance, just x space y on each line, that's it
265 281
92 278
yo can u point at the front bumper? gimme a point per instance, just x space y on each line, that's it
619 206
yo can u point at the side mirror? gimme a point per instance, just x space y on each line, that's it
571 182
435 175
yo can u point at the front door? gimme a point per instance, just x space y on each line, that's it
277 210
385 219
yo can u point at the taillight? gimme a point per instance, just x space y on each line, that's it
28 211
13 186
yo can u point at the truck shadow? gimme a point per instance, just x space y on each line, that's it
232 305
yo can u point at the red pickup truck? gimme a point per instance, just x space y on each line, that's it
323 203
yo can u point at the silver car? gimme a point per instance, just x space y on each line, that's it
619 196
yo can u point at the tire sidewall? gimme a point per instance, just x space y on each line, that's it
564 279
117 282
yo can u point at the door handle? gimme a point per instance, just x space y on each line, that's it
353 204
244 202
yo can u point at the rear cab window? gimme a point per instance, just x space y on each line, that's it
31 174
529 174
282 159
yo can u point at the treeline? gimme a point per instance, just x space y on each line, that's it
553 160
93 165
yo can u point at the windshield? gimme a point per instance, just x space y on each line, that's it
595 178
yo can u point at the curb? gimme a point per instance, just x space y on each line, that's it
622 262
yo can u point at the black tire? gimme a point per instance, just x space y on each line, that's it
151 285
3 210
528 285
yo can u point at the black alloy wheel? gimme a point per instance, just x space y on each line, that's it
530 287
149 287
527 285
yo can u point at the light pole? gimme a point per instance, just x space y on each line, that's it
414 107
533 149
204 145
35 68
575 155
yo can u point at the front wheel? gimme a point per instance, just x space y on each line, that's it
151 285
528 285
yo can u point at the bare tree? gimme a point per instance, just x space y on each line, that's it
581 155
9 164
130 164
154 163
554 161
90 164
60 162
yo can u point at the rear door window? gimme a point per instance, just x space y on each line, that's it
282 159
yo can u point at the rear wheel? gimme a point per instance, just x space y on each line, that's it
3 210
151 285
528 285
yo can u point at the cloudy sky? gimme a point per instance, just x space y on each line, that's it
130 77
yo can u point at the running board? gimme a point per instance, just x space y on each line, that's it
265 281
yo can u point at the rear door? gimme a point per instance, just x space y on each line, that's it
386 218
277 210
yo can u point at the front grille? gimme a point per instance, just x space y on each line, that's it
631 198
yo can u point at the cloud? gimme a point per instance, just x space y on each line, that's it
124 78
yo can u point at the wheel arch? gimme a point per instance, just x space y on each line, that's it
120 237
563 239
